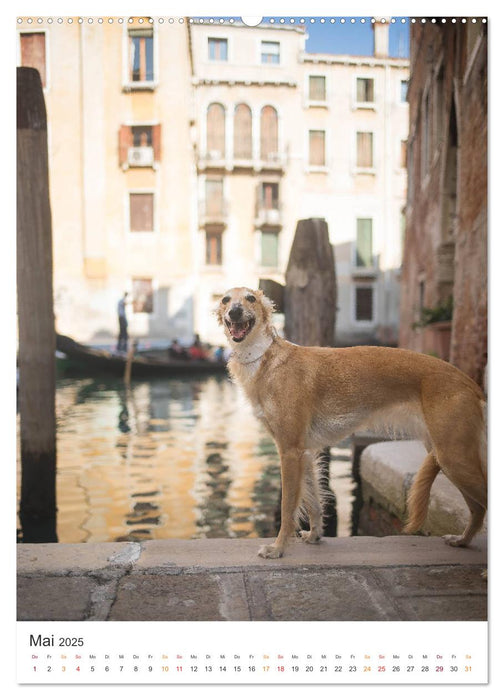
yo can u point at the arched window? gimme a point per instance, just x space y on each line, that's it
216 131
269 133
242 132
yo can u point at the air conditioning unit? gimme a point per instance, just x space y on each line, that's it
272 216
141 156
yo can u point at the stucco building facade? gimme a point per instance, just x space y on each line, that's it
182 154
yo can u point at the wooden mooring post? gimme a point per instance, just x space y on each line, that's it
37 340
310 298
310 286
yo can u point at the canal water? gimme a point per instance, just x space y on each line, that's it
170 458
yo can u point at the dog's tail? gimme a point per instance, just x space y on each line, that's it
418 496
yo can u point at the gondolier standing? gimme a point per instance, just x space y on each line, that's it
122 341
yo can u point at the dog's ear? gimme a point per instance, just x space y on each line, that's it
217 311
267 304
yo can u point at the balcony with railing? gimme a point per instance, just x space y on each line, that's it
218 160
268 208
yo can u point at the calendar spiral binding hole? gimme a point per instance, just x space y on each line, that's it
231 20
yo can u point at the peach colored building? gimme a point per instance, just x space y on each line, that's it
118 99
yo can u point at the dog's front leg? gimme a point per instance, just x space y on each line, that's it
292 475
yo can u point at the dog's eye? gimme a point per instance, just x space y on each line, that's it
251 298
225 300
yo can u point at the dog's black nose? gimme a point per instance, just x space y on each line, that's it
236 312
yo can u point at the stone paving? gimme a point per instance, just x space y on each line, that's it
356 578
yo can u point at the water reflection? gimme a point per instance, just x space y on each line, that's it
173 458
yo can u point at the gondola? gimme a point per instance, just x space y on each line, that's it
144 363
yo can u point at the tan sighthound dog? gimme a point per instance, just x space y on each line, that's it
312 397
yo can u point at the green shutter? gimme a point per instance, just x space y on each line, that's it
364 243
269 249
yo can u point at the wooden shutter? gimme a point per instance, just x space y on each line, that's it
269 132
214 197
141 211
242 146
216 129
33 53
364 149
269 249
364 253
404 154
270 195
217 49
125 142
317 88
365 90
214 248
156 141
141 55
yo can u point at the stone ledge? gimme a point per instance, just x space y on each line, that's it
175 556
357 578
387 470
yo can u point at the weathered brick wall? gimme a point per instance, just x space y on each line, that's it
469 330
441 262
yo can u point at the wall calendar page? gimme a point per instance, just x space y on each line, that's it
252 352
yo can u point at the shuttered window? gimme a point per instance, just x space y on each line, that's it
143 295
217 49
317 148
141 211
269 133
214 197
242 146
139 137
365 90
404 90
216 130
269 249
317 88
270 52
141 55
142 136
33 53
403 159
269 195
213 247
364 247
364 304
364 149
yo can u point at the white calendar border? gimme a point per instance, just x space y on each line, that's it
260 653
296 8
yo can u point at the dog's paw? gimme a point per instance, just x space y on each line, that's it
270 551
310 536
455 540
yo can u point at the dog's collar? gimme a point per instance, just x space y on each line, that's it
235 355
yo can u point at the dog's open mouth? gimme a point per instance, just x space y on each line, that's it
239 331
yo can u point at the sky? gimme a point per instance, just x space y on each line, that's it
355 39
341 35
